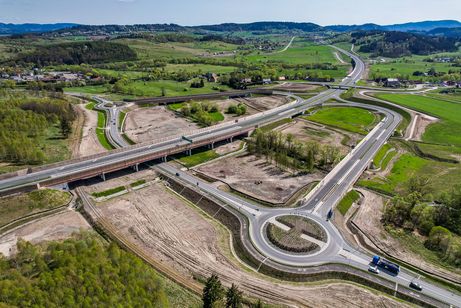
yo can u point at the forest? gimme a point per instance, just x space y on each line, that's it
77 53
398 44
81 272
25 118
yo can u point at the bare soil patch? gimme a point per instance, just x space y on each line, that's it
368 218
300 87
263 103
305 131
51 228
421 124
257 178
147 124
89 143
176 233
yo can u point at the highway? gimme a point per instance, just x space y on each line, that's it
315 206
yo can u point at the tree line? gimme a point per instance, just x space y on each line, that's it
289 153
435 220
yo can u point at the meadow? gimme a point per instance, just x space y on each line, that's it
352 119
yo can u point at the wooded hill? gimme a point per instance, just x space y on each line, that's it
77 53
398 44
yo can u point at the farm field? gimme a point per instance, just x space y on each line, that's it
444 132
352 119
406 66
150 88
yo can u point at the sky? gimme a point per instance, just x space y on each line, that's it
200 12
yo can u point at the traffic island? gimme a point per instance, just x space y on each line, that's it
296 234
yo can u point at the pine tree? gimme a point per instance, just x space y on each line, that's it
233 297
213 292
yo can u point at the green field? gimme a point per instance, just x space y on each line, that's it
18 206
299 53
406 66
274 125
345 204
352 119
151 89
447 131
204 68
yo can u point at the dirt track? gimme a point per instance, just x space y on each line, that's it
89 143
182 238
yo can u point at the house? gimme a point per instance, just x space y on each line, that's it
246 80
267 81
282 78
212 77
392 83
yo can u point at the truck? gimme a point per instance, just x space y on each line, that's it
385 264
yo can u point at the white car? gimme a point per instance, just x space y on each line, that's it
373 269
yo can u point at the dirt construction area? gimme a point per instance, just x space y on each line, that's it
257 178
368 219
55 227
299 87
178 234
305 131
147 124
264 103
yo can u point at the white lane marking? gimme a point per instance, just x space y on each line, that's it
349 171
318 206
377 138
348 255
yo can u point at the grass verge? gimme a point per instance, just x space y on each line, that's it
347 201
108 192
198 158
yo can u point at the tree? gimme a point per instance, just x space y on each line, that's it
439 239
233 297
213 292
66 127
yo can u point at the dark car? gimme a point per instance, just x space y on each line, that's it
415 285
177 173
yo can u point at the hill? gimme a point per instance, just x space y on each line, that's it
398 44
262 26
447 32
423 26
78 53
7 29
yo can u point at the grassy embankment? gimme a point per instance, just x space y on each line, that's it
100 130
345 204
15 207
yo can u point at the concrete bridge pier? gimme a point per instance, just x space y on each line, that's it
136 167
230 139
189 152
103 176
211 146
164 159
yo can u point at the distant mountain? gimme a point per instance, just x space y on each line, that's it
423 26
262 26
349 28
448 32
6 29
